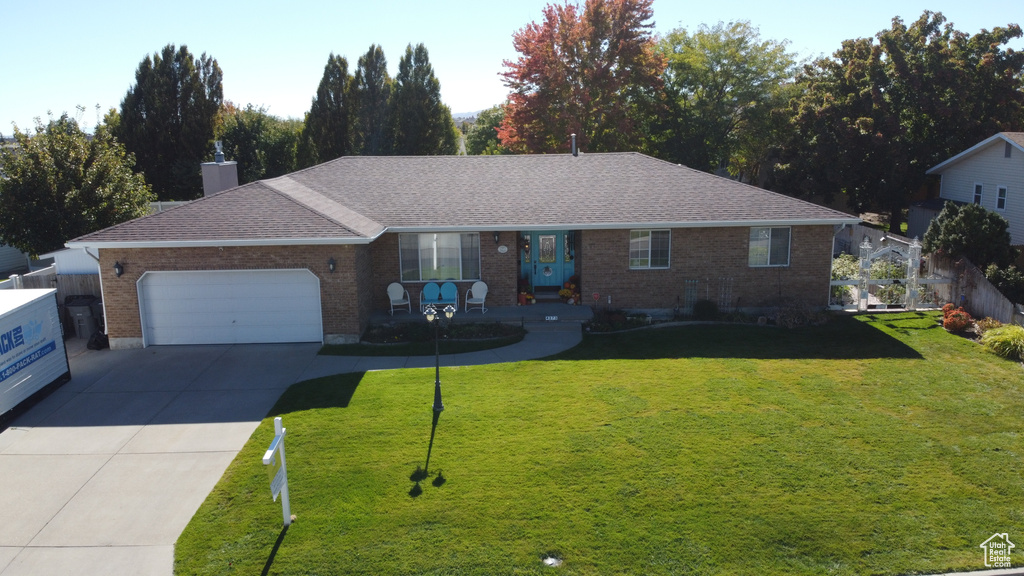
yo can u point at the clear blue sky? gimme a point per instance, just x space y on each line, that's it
55 55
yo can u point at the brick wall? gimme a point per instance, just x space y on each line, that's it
707 255
499 271
344 295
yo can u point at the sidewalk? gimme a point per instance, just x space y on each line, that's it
102 476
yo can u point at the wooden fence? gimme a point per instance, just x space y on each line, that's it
66 284
973 291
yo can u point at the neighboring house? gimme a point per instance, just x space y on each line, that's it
308 256
12 261
990 173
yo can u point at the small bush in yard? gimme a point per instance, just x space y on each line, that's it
1006 341
948 309
957 321
986 324
705 310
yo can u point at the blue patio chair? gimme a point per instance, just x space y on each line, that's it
429 295
449 294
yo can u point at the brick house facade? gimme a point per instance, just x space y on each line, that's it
353 212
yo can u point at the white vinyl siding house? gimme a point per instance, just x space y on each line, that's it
996 167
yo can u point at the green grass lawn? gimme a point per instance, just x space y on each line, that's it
871 445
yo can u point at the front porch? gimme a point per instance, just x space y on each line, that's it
530 314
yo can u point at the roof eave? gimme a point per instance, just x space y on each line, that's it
216 243
938 168
630 225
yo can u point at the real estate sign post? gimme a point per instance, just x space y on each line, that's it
274 457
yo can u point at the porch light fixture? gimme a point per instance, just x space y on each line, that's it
331 265
497 237
118 269
432 316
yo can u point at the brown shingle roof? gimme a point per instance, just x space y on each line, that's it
355 198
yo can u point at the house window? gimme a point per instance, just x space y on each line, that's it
1007 150
1001 198
649 248
446 256
769 247
977 193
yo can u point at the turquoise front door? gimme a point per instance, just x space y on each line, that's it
549 260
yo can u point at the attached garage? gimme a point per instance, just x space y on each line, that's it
230 307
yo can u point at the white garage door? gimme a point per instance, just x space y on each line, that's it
230 307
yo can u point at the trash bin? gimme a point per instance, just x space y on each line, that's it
80 310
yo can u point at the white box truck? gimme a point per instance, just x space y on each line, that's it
33 360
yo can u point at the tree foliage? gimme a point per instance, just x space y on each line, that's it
371 91
971 232
482 137
422 124
59 184
593 72
167 119
728 93
328 128
263 145
875 116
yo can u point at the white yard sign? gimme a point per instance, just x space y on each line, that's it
274 457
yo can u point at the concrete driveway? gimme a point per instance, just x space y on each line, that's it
103 475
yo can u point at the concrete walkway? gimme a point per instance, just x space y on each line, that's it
103 475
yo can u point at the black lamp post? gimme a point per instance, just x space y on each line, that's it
434 318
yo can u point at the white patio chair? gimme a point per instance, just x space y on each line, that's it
479 294
399 296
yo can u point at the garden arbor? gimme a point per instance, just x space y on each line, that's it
886 276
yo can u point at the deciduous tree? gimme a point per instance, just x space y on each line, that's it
593 71
60 184
728 96
423 125
263 145
482 138
167 119
875 116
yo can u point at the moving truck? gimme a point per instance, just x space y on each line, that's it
33 360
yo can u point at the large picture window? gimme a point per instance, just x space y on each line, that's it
439 256
649 248
769 247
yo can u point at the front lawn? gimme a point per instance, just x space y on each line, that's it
871 445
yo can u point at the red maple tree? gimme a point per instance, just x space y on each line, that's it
593 72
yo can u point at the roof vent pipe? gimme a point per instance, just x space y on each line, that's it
218 156
574 151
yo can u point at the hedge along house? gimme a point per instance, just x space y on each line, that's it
308 256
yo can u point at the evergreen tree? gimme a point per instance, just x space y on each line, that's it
422 124
370 98
327 133
167 119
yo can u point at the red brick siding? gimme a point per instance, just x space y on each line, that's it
706 255
499 271
344 298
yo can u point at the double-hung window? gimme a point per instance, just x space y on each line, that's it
1001 198
977 193
769 247
649 248
439 256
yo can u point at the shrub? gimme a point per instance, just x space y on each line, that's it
1006 341
705 310
986 324
1009 281
947 310
957 321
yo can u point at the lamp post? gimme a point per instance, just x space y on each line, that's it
434 318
